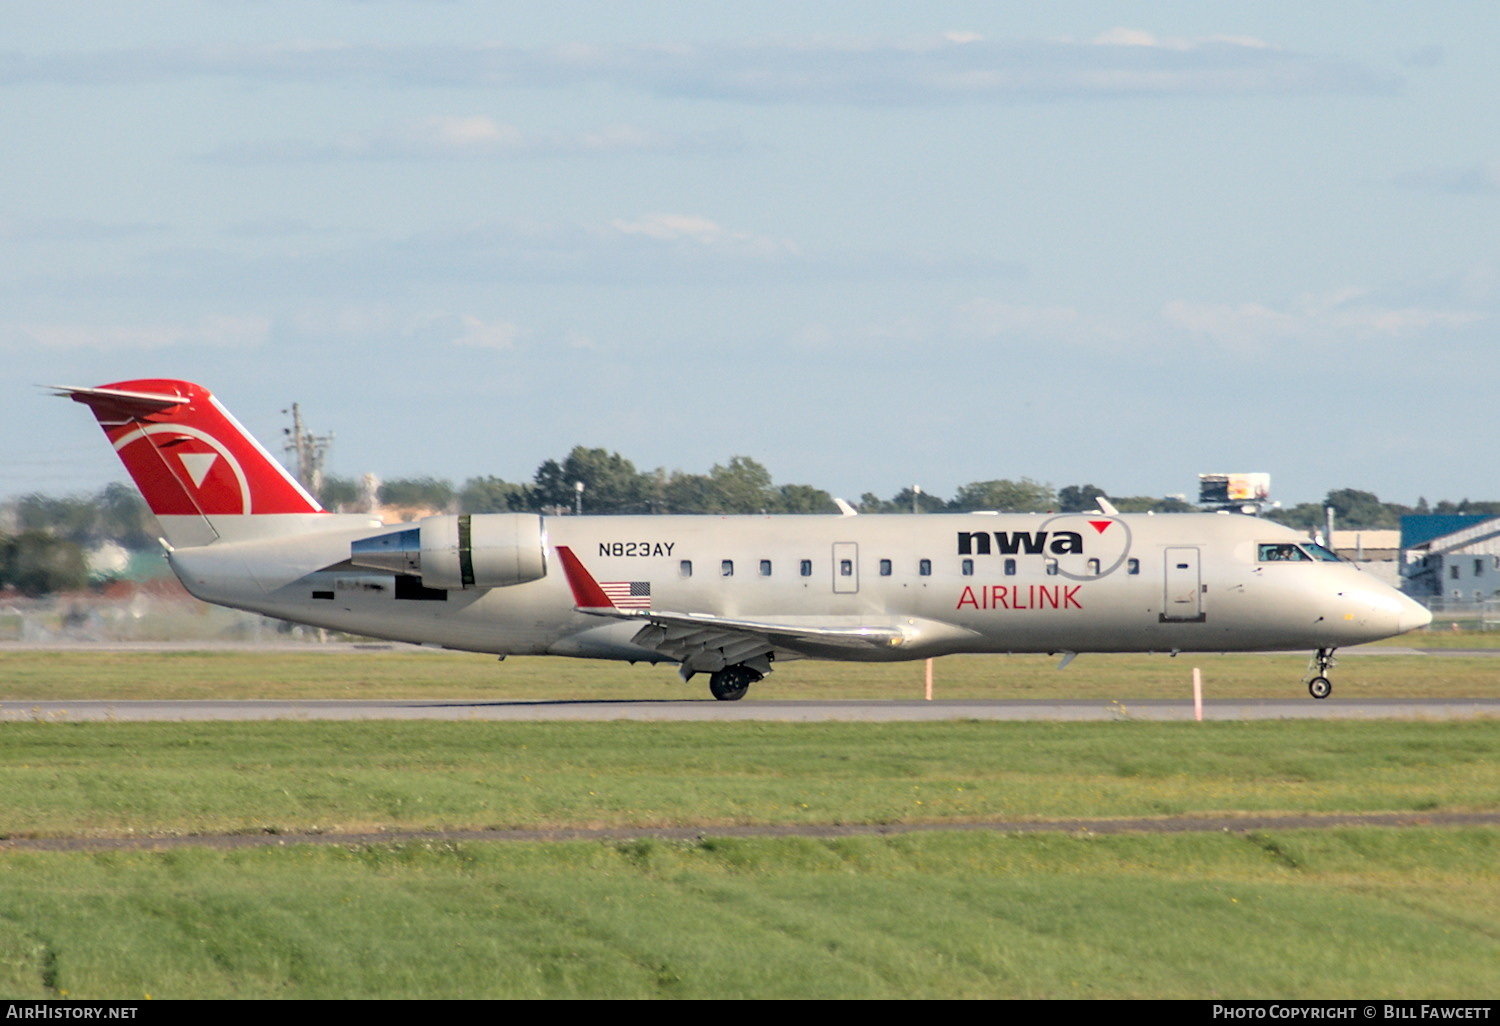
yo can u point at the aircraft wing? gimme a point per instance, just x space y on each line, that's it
705 642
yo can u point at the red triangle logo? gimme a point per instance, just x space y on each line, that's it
1101 525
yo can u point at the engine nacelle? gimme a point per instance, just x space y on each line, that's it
452 553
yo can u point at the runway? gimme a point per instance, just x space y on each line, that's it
770 710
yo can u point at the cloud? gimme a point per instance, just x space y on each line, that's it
474 137
1481 179
701 232
956 67
219 331
1344 320
479 334
76 229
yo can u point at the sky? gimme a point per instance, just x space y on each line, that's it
868 244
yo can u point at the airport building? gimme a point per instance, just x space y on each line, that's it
1451 560
1375 552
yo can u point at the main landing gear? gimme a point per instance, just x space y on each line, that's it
1319 686
731 683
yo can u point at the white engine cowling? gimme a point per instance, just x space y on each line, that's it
452 553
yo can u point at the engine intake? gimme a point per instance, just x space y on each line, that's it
453 553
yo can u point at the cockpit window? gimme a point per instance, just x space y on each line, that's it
1319 552
1282 552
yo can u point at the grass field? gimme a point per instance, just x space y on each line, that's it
1360 913
1338 914
102 779
405 673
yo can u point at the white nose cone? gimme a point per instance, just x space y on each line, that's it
1412 615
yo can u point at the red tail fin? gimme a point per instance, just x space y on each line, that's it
187 454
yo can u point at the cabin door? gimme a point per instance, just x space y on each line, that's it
1182 597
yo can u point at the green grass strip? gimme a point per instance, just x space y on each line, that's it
1356 913
404 673
103 779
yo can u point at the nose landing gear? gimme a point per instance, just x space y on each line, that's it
1318 685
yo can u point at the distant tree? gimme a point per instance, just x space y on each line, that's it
123 517
901 502
340 493
1149 504
797 498
492 495
1023 496
743 486
611 483
1079 498
1305 516
38 563
688 493
1353 508
429 492
872 503
74 517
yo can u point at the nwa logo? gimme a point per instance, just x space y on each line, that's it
184 470
1076 546
1011 543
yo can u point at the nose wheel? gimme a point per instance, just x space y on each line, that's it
1319 686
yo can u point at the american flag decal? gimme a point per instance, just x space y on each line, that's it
628 594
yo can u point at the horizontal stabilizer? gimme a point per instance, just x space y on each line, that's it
115 406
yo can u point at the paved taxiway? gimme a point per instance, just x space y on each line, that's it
798 711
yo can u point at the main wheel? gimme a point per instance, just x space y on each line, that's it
1320 687
731 683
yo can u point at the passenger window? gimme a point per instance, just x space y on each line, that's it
968 568
1133 566
924 567
765 568
1051 567
1010 568
686 568
726 568
885 568
1093 568
846 568
806 569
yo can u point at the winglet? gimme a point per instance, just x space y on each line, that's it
586 591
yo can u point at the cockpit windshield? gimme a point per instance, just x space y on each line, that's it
1289 552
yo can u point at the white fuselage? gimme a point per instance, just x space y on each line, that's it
949 582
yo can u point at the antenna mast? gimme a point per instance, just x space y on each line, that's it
308 450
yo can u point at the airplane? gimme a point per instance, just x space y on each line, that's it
729 596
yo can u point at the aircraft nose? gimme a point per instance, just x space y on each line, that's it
1411 616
